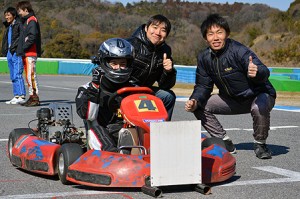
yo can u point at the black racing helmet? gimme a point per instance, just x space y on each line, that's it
116 48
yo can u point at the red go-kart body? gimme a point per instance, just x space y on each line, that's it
108 169
34 154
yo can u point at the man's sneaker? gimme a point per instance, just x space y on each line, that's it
12 100
19 100
262 151
33 100
230 146
16 100
125 141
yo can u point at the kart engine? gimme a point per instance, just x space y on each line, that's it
55 124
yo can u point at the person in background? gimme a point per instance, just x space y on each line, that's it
9 46
29 48
242 80
153 62
114 62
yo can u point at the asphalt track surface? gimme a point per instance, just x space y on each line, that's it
254 178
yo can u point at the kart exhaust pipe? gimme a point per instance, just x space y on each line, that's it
202 188
152 191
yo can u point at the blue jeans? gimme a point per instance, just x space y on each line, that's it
16 68
168 98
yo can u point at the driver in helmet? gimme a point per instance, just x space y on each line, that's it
114 62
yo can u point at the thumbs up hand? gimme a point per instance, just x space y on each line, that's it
167 63
252 68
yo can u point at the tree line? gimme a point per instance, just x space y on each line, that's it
75 29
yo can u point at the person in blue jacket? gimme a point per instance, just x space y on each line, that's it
9 46
242 80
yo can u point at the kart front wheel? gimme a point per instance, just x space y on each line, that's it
67 155
13 137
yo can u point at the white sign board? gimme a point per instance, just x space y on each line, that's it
175 153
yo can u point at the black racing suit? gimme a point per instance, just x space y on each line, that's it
92 106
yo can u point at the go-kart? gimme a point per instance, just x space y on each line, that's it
56 146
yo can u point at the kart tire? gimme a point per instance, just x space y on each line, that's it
67 155
13 137
212 140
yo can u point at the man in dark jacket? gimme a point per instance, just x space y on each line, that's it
9 47
242 80
153 62
30 49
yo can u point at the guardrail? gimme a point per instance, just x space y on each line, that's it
283 79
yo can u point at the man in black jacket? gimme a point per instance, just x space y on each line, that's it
9 47
30 49
242 80
153 62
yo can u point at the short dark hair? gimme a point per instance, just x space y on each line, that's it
158 19
12 11
211 20
24 5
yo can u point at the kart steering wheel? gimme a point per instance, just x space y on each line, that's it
114 101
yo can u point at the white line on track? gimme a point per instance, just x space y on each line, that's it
229 129
287 108
5 82
178 99
276 127
291 176
73 89
278 108
5 114
61 194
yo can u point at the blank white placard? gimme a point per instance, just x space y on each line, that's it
175 153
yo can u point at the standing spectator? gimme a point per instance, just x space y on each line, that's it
29 48
242 80
153 61
9 47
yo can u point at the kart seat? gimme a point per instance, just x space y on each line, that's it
128 141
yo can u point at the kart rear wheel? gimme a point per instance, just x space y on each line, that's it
13 137
212 140
67 155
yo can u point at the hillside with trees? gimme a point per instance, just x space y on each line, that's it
75 29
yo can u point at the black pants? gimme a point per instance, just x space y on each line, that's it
103 138
259 107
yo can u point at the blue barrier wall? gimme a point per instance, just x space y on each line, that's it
75 68
186 74
283 79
